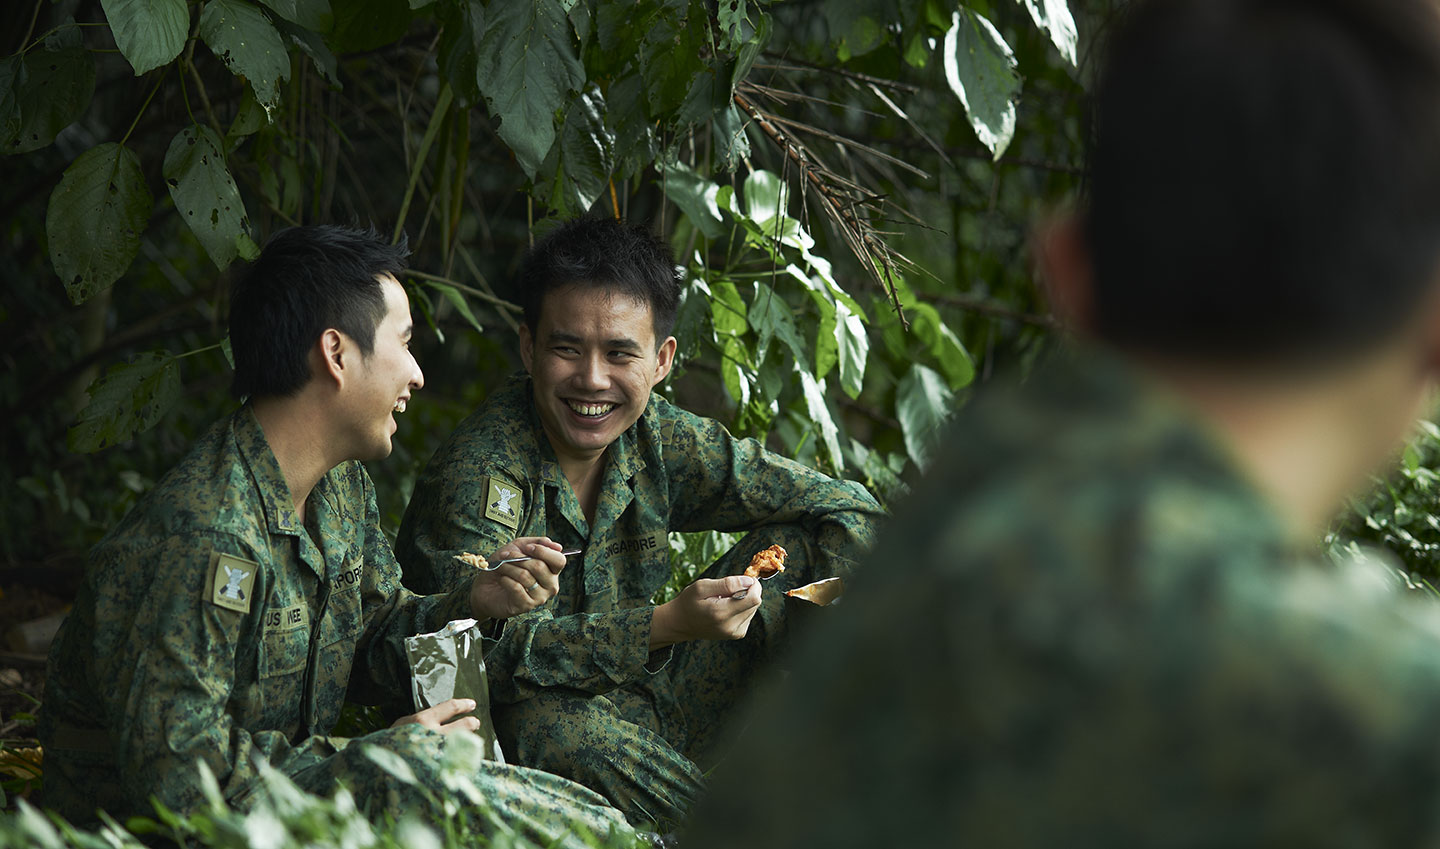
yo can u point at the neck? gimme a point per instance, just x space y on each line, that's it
1306 441
300 447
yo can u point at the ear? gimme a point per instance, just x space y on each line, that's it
664 360
334 350
526 351
1064 270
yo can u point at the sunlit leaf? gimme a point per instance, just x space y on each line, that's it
922 403
526 70
853 344
980 68
457 300
727 309
205 194
695 196
149 33
820 414
1053 16
130 398
95 219
242 37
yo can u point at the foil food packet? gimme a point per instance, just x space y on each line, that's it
449 664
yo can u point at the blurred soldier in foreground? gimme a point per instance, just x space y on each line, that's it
228 616
1103 621
602 685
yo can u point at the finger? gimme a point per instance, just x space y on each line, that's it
726 587
445 711
468 724
545 557
750 594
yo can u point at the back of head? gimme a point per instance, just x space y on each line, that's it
307 280
606 254
1265 180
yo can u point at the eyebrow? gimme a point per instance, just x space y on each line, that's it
621 342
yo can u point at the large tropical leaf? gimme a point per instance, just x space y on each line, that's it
242 37
980 69
149 33
130 398
922 403
95 219
206 196
52 90
526 71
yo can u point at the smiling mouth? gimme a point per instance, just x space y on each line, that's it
590 411
400 406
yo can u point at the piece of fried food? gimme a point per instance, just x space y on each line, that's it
473 560
821 592
766 563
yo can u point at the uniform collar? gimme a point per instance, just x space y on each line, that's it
270 482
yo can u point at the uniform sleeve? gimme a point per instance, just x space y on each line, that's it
718 482
390 614
445 518
165 669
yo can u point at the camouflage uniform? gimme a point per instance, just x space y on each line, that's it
190 640
1091 631
576 689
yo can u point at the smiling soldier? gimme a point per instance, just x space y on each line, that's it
601 685
227 617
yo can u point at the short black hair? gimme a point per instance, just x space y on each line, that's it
602 253
306 280
1264 182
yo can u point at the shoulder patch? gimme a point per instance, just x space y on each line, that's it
231 582
503 502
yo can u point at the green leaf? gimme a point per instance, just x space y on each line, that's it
362 25
767 198
312 44
820 414
1053 16
457 300
980 68
314 15
249 118
734 366
855 25
670 58
242 37
585 153
12 73
771 318
205 194
727 310
695 196
922 403
526 71
52 92
942 343
130 398
391 763
149 33
95 219
827 350
462 28
634 131
853 344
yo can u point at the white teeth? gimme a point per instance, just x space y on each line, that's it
591 409
400 406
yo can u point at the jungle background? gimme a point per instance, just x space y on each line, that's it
849 186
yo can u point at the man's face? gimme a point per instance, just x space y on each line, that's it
384 378
593 360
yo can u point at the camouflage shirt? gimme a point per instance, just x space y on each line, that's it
497 478
191 634
1093 632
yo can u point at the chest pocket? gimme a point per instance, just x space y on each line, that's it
286 642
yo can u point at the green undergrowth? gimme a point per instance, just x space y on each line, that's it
286 817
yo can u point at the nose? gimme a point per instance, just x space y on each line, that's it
592 373
417 379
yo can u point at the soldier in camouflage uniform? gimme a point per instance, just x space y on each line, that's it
1103 620
230 614
600 685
